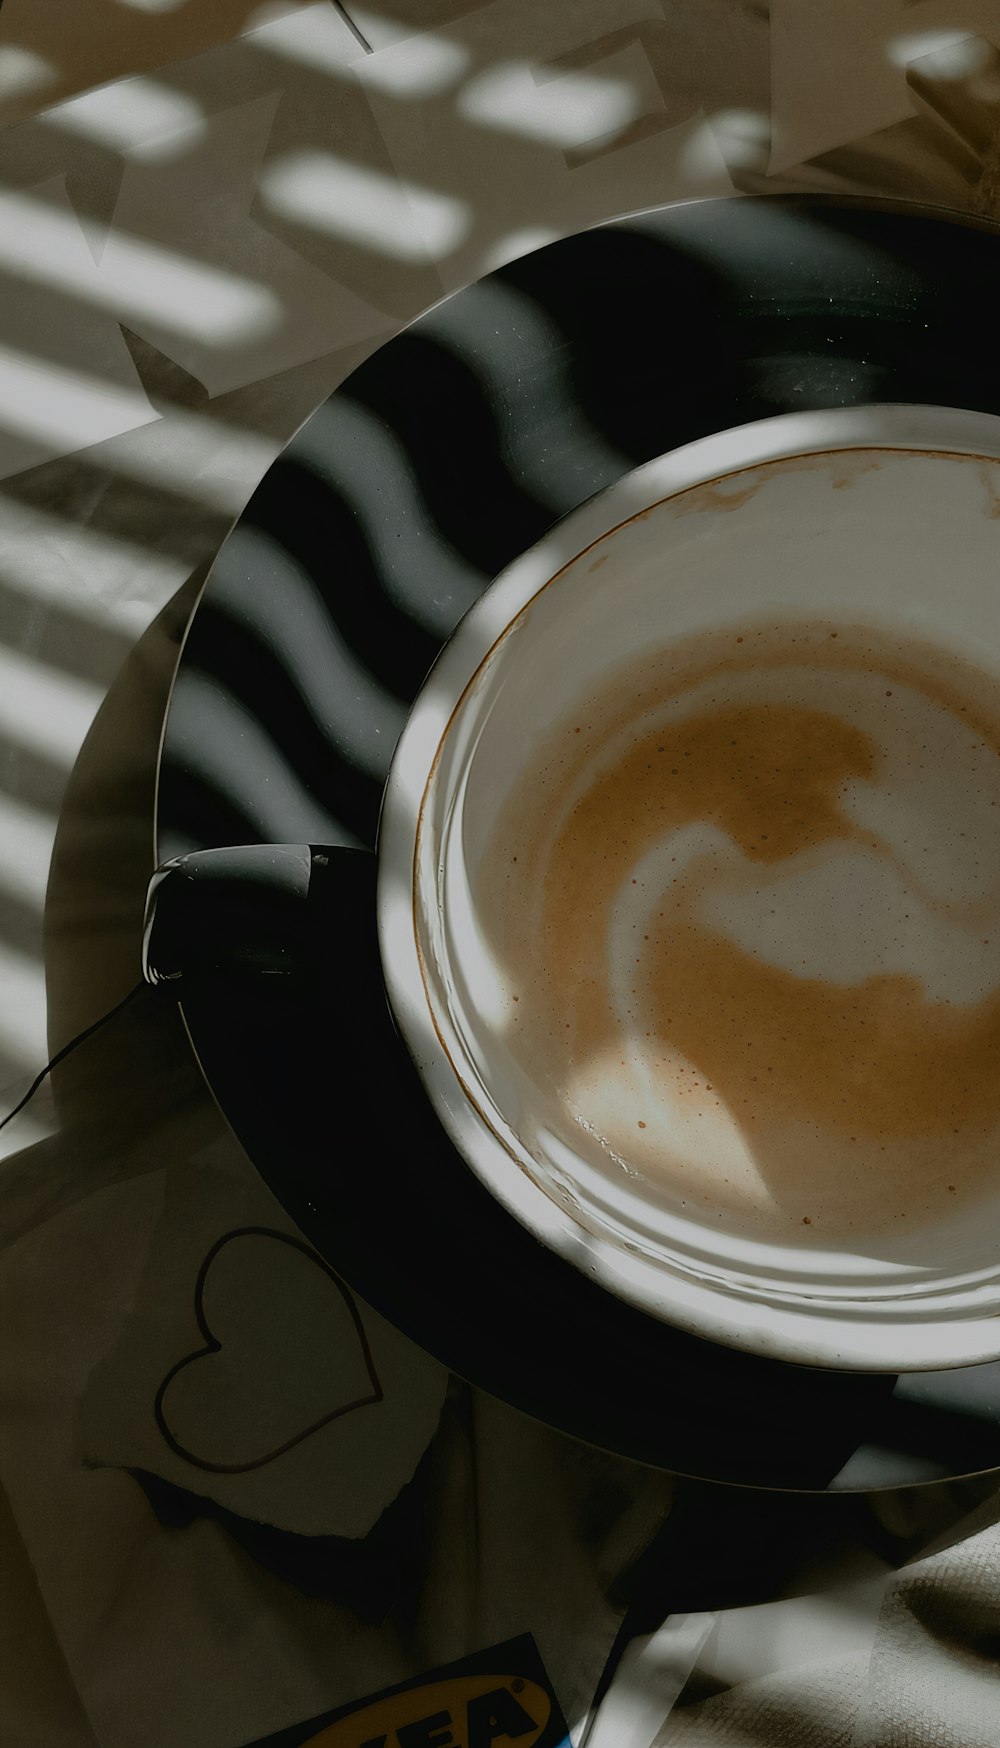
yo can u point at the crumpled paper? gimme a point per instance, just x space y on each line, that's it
183 1620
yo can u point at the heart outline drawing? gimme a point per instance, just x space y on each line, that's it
212 1345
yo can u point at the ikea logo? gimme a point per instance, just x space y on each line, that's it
479 1711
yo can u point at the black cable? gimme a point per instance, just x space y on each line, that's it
61 1055
352 27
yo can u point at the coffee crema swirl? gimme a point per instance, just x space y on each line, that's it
746 904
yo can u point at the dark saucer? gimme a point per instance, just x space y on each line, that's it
444 456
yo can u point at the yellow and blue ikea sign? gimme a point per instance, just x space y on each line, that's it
500 1698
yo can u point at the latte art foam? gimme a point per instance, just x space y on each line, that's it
746 907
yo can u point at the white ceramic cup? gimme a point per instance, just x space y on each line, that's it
914 547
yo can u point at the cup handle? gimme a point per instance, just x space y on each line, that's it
252 909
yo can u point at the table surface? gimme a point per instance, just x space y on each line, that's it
213 216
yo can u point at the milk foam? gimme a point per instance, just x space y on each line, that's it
749 904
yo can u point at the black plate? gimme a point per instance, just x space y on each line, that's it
440 460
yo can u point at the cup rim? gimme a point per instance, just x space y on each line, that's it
846 1334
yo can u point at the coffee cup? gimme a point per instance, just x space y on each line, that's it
688 888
